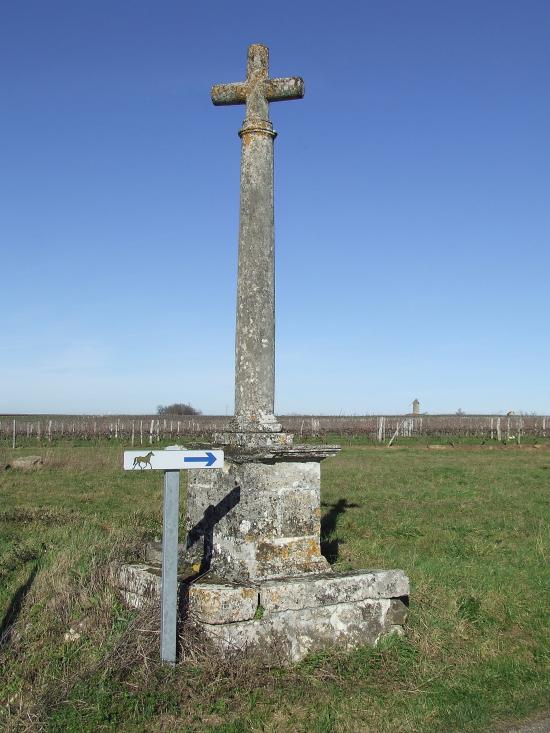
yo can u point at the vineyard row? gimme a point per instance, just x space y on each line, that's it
142 430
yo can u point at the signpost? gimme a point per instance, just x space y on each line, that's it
171 461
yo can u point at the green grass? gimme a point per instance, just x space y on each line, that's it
469 524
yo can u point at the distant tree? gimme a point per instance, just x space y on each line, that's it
460 411
178 408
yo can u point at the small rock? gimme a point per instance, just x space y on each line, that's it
27 463
72 635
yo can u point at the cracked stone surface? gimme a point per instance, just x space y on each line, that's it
294 634
289 617
218 603
256 520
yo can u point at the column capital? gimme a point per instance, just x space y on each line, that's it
256 125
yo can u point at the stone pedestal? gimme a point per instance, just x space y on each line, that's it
255 578
259 517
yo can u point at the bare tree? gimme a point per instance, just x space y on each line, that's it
178 408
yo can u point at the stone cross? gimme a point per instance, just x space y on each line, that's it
254 526
255 336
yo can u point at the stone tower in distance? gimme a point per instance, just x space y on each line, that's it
416 407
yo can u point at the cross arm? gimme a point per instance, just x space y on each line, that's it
290 87
234 93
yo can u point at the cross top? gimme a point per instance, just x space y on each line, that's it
258 89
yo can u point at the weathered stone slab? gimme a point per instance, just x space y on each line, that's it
266 448
219 603
222 603
285 619
140 583
324 590
291 635
226 602
253 440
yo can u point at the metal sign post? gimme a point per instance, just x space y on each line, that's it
169 586
171 460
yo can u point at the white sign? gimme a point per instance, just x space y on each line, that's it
172 460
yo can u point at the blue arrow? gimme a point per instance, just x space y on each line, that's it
210 458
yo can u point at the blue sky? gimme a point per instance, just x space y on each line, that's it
411 203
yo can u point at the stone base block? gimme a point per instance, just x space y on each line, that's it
138 584
257 519
284 619
291 635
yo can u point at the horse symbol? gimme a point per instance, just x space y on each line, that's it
146 460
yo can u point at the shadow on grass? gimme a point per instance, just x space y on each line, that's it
16 603
329 544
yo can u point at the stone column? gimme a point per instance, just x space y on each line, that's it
255 339
255 335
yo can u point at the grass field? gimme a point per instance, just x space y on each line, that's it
469 524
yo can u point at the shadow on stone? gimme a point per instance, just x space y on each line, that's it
14 609
205 528
330 545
